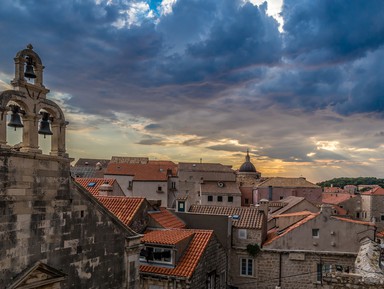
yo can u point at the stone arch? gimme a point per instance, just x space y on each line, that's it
21 60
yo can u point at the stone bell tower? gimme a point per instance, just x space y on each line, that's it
30 99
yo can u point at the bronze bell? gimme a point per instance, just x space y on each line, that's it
15 117
44 125
29 72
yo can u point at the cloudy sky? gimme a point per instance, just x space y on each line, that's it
299 83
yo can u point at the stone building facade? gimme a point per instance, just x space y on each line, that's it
54 234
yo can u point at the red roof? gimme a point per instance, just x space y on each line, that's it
336 198
151 171
354 221
92 185
123 208
166 219
380 234
191 257
166 237
378 191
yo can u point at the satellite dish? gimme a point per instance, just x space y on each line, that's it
220 184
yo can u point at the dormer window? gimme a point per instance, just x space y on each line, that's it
156 255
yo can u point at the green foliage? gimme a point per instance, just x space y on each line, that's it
253 249
341 182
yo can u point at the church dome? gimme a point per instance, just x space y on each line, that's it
247 166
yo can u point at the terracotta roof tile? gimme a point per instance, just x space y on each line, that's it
378 191
166 237
166 219
190 259
123 208
354 221
151 171
336 198
249 217
92 185
380 234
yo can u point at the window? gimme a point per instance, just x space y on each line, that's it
159 189
219 198
358 215
321 269
242 234
230 199
173 185
210 198
181 206
246 201
158 255
246 267
281 197
130 185
211 278
382 218
315 233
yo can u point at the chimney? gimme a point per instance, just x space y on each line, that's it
264 206
105 189
326 210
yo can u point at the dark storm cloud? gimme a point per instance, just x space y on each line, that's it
214 70
327 31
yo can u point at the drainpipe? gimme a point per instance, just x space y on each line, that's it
280 267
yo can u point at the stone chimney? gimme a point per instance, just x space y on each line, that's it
326 210
264 206
105 189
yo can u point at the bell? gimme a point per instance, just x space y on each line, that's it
15 117
29 72
44 126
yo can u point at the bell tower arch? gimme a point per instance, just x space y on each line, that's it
30 95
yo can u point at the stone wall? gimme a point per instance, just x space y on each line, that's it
45 217
298 269
213 261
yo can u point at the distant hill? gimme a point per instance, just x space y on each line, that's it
341 182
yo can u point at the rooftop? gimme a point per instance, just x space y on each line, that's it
242 217
188 262
92 185
166 219
151 171
287 183
124 208
378 191
336 198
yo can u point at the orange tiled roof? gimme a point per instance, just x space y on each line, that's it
151 171
166 237
94 189
166 219
249 217
272 234
123 208
354 221
380 234
336 198
378 191
191 257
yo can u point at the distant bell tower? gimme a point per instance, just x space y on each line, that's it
30 109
